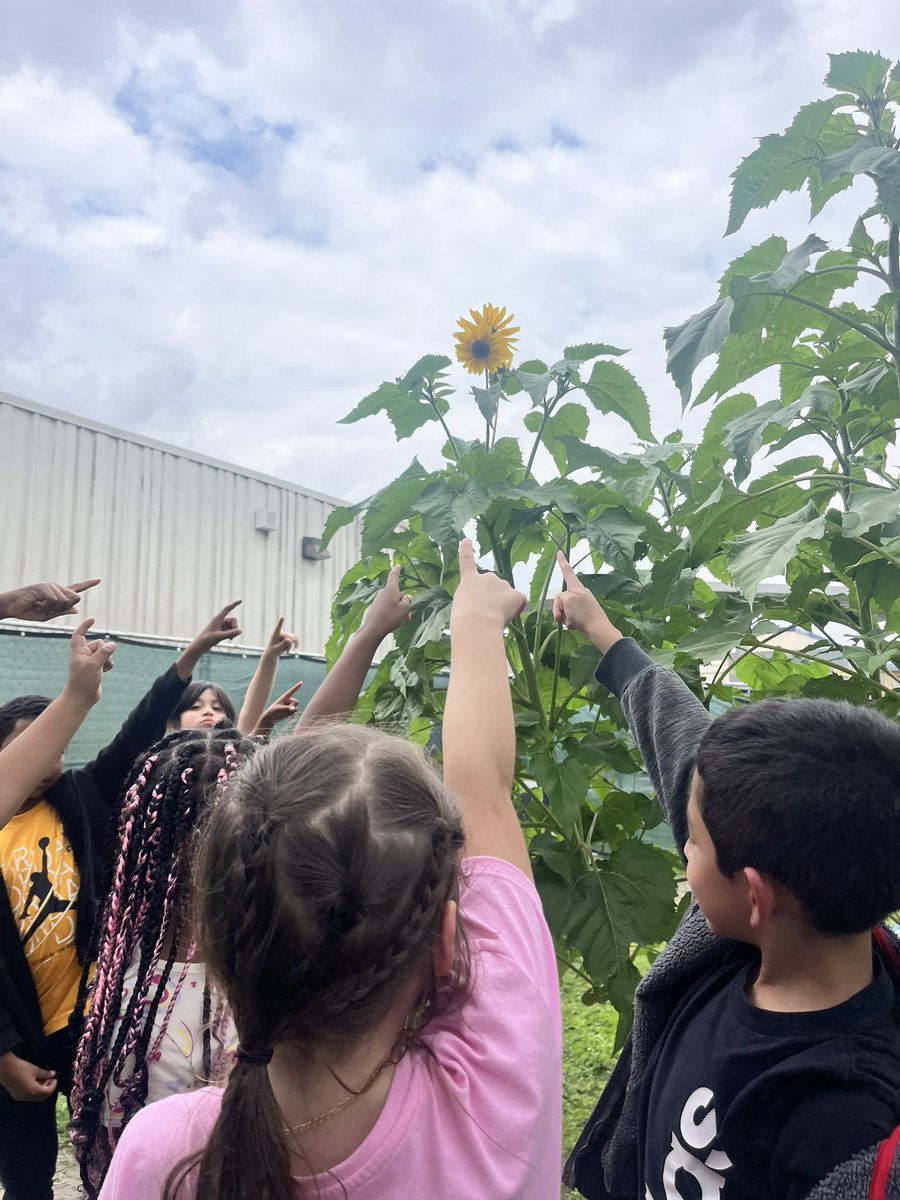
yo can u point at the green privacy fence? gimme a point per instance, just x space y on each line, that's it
34 662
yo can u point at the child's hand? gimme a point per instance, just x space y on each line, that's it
482 595
279 710
222 628
87 663
23 1080
281 642
577 608
390 608
43 601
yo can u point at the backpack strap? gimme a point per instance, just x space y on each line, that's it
884 1160
889 949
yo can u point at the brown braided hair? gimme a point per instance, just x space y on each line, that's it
321 877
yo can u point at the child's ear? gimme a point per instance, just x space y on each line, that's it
761 897
445 941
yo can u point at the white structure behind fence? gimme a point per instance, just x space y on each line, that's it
173 534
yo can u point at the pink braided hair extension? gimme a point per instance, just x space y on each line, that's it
144 984
95 1022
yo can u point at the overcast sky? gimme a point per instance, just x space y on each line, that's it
223 222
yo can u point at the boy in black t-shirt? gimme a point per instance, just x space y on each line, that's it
765 1050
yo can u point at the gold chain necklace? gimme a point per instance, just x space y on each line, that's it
305 1126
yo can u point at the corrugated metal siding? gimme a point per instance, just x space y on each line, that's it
172 535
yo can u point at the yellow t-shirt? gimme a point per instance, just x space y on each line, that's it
42 881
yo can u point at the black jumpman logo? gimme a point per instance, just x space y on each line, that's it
42 891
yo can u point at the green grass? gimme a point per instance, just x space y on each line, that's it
588 1035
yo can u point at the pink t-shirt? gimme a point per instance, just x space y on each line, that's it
480 1122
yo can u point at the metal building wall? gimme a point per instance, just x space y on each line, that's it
172 534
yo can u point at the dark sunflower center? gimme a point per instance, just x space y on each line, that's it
481 349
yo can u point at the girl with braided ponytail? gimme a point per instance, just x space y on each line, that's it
391 975
157 1023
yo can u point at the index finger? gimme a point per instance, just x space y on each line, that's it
82 629
223 613
568 574
290 692
276 633
467 565
394 575
84 585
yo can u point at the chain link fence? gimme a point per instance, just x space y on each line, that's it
35 662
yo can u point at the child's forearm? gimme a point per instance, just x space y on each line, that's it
478 730
34 752
339 691
479 741
258 693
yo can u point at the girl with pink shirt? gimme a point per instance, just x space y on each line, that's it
391 976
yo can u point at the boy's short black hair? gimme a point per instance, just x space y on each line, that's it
22 708
808 793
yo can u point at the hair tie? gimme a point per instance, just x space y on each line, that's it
255 1058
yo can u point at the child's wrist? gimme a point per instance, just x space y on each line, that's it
604 637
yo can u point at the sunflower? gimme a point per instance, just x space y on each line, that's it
486 342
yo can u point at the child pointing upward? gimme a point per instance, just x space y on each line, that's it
765 1049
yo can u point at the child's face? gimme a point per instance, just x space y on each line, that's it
52 774
722 900
204 713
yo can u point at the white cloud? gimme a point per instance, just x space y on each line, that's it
229 222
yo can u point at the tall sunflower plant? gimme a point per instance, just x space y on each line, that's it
677 539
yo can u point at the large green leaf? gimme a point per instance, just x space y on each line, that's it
392 505
344 514
868 507
612 389
781 163
858 71
866 157
766 552
564 782
718 635
567 421
614 535
743 436
688 344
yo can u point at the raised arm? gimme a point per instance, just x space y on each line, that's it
341 687
42 601
146 723
478 735
257 697
33 753
665 717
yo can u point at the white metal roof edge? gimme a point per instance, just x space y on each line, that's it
178 451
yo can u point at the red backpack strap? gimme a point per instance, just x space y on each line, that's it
884 1160
888 949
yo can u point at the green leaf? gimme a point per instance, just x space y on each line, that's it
534 384
569 421
793 265
589 350
405 412
626 899
338 518
579 455
868 507
426 370
614 535
488 399
867 157
445 510
743 436
688 344
858 71
781 163
766 552
612 389
391 506
564 784
718 635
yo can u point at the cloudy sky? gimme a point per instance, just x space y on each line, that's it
223 222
